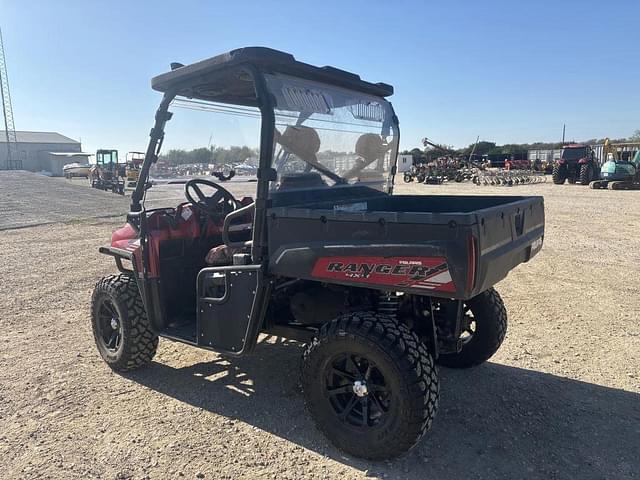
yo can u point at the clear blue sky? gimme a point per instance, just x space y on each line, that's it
508 71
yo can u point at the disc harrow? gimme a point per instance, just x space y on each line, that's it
508 178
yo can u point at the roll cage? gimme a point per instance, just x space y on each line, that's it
239 78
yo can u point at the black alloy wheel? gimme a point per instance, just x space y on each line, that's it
109 326
482 331
370 385
120 325
357 390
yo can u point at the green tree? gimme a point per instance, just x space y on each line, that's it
635 137
175 156
200 155
482 148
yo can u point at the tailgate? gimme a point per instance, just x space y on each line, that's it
508 235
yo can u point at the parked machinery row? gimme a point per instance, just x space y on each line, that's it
444 170
508 178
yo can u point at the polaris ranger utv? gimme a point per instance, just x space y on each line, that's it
379 287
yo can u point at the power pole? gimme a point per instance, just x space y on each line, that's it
13 161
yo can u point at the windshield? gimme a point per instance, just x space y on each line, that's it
206 140
328 136
574 153
106 156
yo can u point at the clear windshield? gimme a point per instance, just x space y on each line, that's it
327 136
206 140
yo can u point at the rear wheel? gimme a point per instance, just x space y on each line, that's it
586 174
484 328
559 174
408 178
370 385
120 326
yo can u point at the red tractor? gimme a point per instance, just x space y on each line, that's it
577 164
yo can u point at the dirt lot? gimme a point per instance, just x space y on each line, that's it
561 399
51 200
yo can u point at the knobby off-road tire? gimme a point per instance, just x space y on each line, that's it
559 174
125 341
490 318
400 378
586 174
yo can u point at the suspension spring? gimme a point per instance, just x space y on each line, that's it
388 304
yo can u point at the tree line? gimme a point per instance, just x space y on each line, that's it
211 155
518 150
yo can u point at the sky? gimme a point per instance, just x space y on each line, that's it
506 71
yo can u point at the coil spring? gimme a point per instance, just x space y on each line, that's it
388 304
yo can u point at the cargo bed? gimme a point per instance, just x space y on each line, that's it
446 246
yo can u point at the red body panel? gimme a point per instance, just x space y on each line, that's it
429 273
170 224
126 238
187 225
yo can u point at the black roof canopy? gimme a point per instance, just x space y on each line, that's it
224 78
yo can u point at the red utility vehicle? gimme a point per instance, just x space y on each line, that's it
378 286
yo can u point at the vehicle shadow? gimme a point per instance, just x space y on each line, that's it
494 421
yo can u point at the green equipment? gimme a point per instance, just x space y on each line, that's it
619 174
107 174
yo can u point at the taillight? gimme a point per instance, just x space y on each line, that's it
472 246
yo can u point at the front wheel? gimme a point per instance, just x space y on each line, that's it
408 178
483 330
370 385
120 326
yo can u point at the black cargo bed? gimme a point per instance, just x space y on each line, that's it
479 238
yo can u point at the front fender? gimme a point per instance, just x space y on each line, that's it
120 254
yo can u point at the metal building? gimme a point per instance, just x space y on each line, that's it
43 151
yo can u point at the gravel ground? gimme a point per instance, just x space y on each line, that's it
561 399
52 200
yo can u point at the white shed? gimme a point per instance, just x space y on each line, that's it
405 163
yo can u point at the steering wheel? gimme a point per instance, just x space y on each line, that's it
217 205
